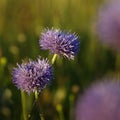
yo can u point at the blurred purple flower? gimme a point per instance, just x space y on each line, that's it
100 102
61 43
32 76
109 24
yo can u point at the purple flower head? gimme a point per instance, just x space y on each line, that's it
109 25
32 76
61 43
100 102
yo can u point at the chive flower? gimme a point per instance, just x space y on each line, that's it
108 25
59 42
100 102
32 76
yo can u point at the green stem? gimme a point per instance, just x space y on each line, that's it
60 111
71 102
36 95
54 58
36 98
41 117
23 105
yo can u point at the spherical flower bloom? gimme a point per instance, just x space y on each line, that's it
100 102
108 25
59 42
32 76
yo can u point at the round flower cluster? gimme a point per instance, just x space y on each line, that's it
100 102
32 76
108 25
61 43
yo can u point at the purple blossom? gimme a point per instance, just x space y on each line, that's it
109 24
32 76
100 102
61 43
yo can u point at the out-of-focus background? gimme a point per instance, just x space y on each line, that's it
21 23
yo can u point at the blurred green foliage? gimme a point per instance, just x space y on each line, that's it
21 22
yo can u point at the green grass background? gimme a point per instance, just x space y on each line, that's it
21 23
